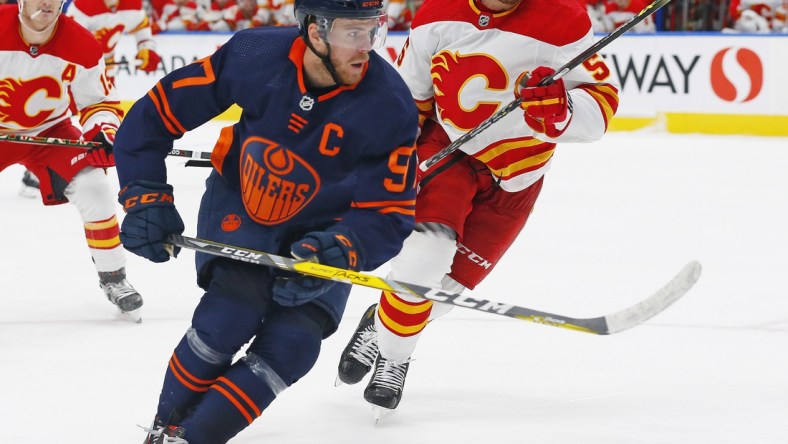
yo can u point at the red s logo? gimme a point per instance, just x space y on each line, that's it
722 84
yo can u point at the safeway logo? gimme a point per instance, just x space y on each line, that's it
736 75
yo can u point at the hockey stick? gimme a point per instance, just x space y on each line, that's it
560 72
603 325
54 141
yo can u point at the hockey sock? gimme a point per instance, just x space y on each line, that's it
285 349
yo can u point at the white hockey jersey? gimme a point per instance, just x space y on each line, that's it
461 63
41 85
108 25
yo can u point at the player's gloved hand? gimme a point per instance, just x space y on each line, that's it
326 247
150 217
547 109
149 59
101 156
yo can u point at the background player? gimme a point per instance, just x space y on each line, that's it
460 68
321 164
46 61
108 20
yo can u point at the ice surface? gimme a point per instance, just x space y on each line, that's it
615 221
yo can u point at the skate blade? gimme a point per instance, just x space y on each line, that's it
378 413
131 316
338 382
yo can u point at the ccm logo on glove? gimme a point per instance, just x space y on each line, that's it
147 198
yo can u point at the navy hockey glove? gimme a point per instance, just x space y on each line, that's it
101 156
326 247
150 217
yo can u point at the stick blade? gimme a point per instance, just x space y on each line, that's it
656 303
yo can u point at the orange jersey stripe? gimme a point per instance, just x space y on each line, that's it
157 104
241 393
235 402
189 375
222 147
183 381
166 107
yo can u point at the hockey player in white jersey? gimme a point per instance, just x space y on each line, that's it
108 20
48 63
464 60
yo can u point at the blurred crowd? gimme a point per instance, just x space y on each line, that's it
234 15
753 16
750 16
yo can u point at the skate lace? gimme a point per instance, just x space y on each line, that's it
116 291
390 375
365 346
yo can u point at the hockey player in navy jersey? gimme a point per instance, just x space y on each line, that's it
321 165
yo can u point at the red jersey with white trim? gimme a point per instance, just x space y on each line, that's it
39 82
108 25
461 63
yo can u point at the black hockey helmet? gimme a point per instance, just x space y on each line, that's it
324 12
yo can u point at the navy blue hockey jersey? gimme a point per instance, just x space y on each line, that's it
297 161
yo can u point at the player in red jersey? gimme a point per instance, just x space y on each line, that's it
49 64
108 20
459 65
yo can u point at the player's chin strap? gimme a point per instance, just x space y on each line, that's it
326 59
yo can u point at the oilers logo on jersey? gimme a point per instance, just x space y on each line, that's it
276 183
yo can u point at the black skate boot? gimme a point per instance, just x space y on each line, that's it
159 433
385 388
120 292
360 353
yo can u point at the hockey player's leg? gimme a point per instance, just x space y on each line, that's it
285 349
226 318
90 193
425 259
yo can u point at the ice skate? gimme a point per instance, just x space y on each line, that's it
360 353
30 185
120 292
384 390
158 433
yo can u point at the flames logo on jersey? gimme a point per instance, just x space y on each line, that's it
275 182
18 97
109 37
451 75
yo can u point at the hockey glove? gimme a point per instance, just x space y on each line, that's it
150 217
547 109
331 248
149 59
101 156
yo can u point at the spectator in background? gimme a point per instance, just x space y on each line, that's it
596 12
248 14
617 12
399 14
282 11
108 20
758 16
215 18
179 15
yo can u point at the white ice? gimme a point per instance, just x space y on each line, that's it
615 221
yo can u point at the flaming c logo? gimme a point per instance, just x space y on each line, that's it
18 97
451 72
724 87
109 37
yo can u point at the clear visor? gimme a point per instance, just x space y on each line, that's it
366 33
